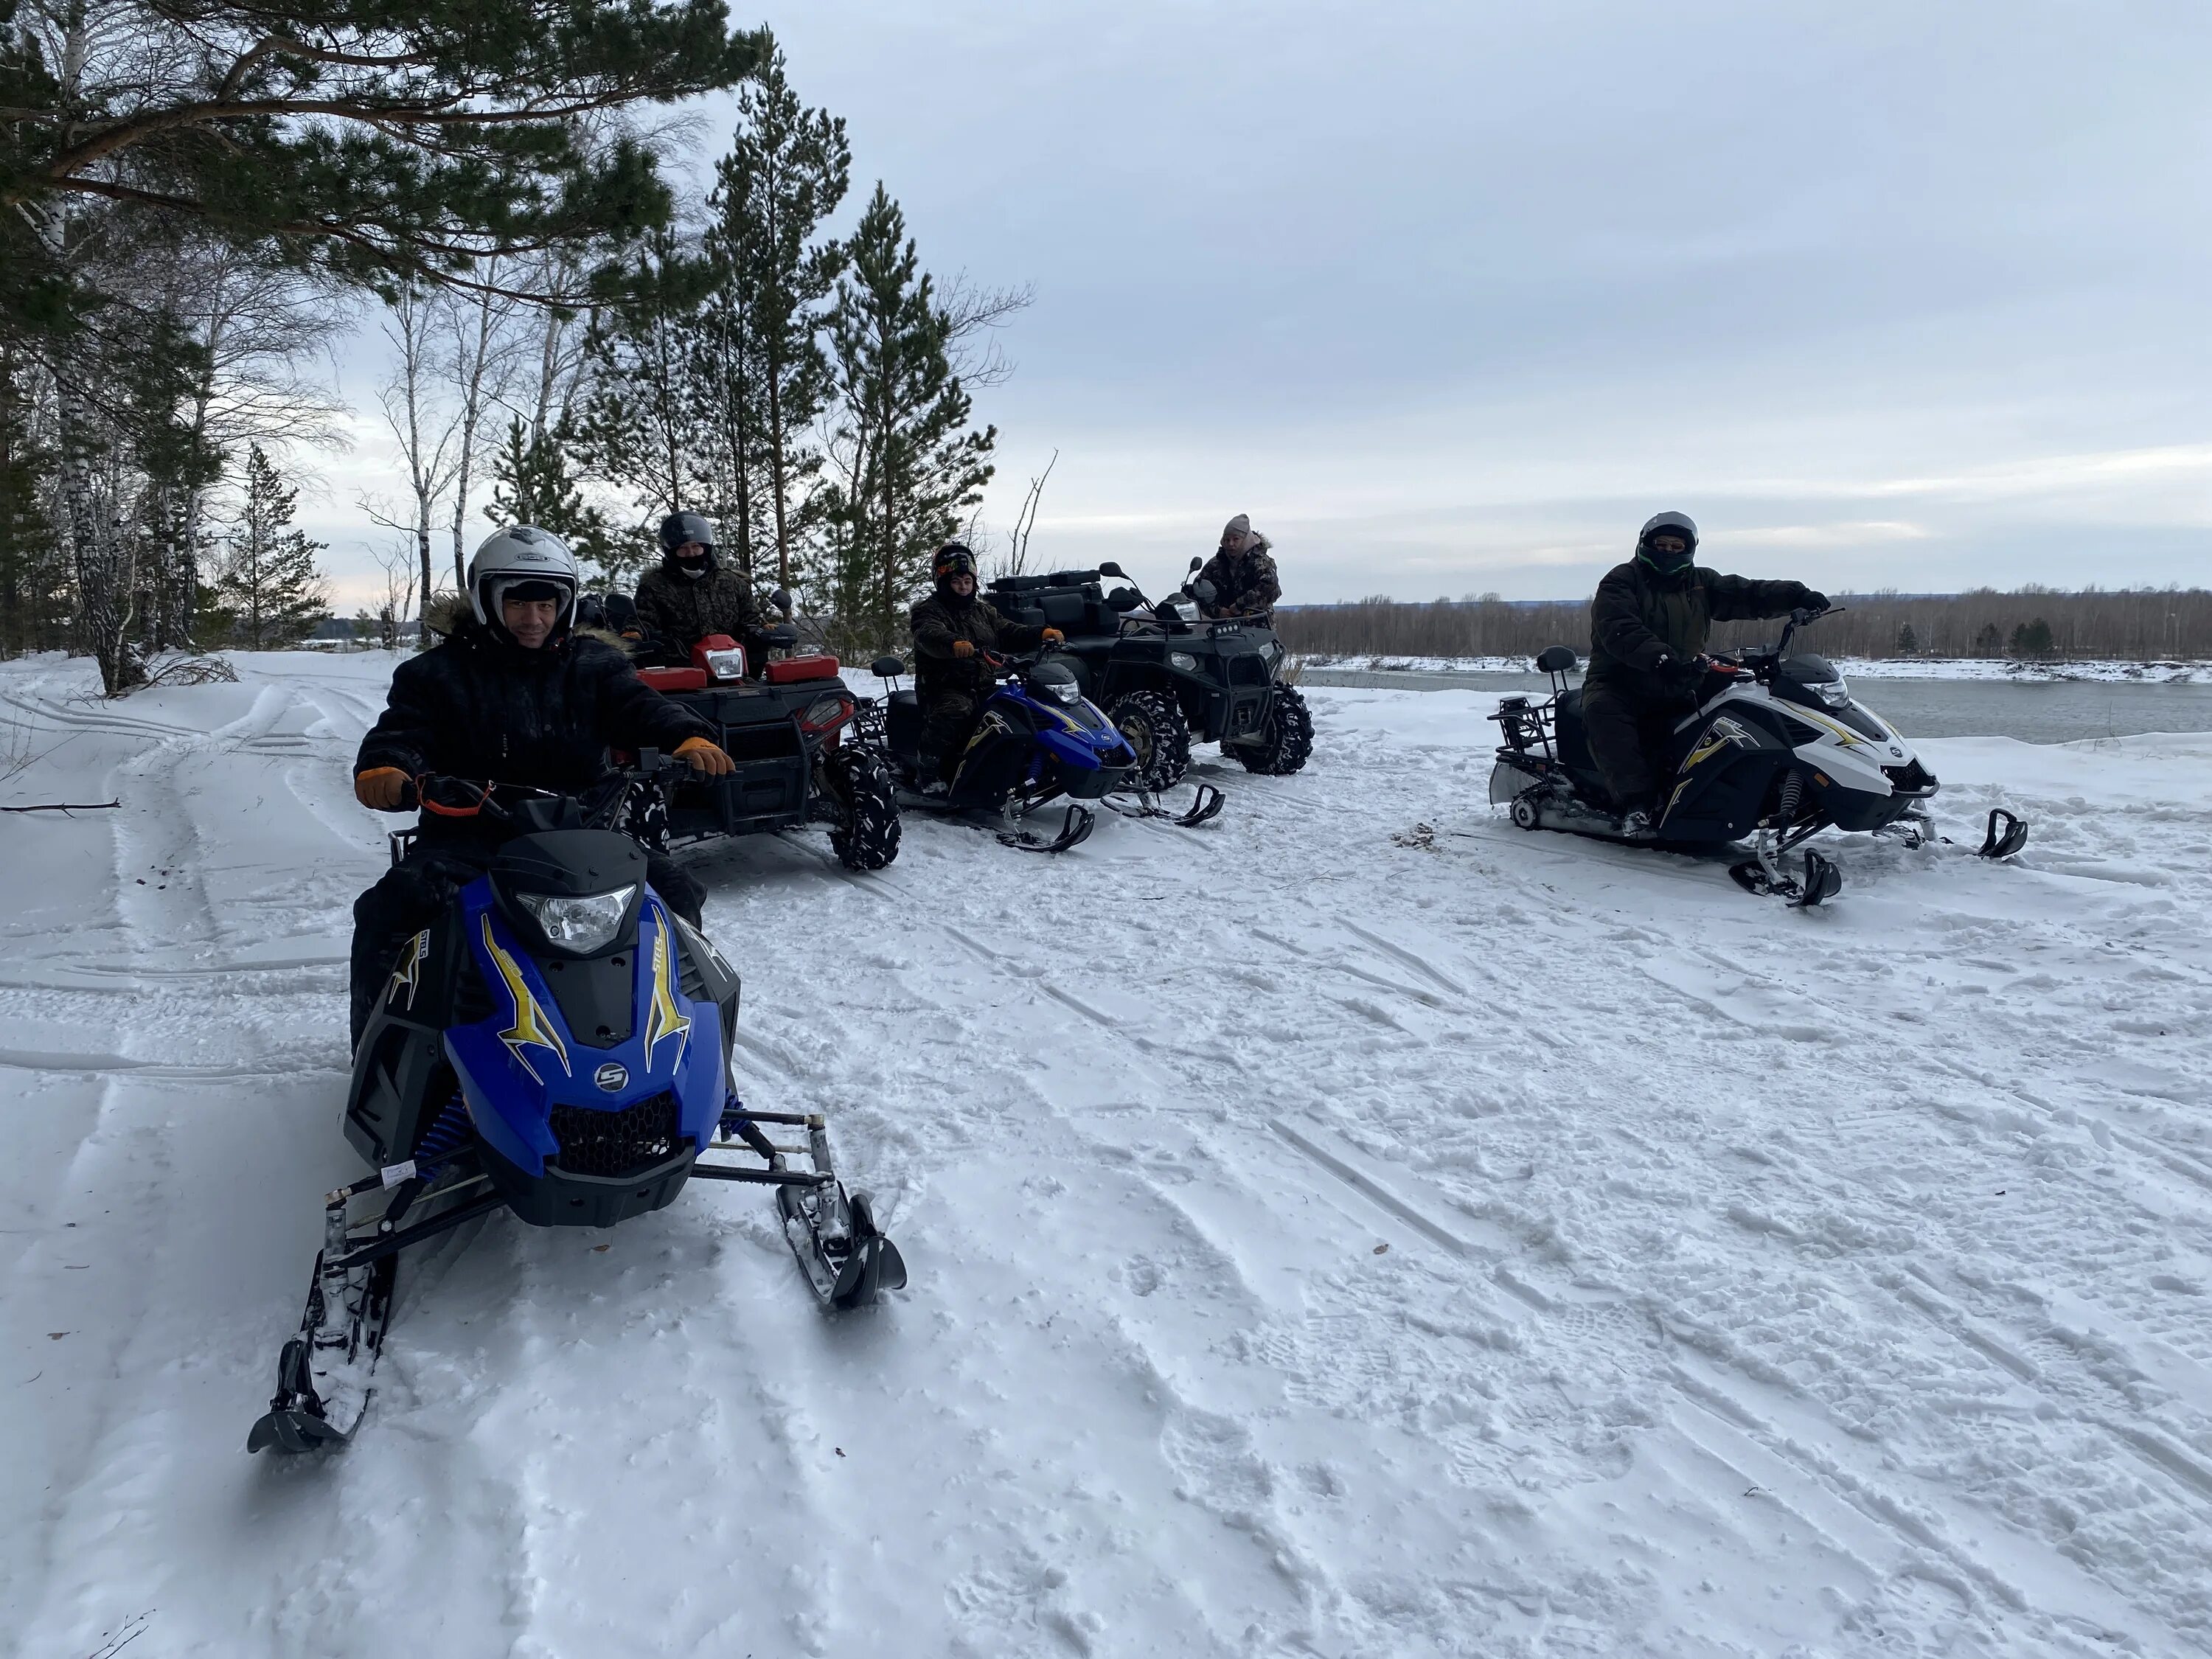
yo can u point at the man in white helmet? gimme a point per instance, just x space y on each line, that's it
510 695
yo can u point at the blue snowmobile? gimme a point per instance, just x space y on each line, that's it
558 1044
1037 739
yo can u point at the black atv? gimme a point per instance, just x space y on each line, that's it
786 727
1164 674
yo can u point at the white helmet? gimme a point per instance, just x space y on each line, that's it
521 554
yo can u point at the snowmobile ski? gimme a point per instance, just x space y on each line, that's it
1074 830
2005 835
1822 881
1205 806
844 1258
324 1377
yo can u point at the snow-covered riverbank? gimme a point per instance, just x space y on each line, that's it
1903 668
1353 1228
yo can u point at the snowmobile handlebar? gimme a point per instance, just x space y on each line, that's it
444 796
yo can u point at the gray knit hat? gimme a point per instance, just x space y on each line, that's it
1240 527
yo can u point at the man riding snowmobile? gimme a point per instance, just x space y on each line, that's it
949 627
689 596
1650 623
512 695
1243 572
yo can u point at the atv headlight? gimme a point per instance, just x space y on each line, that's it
1184 660
582 925
1834 693
726 664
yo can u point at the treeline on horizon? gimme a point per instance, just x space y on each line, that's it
2031 624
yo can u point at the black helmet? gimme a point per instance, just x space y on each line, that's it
953 559
678 529
1679 524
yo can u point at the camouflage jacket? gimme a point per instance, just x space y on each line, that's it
941 619
684 611
1244 584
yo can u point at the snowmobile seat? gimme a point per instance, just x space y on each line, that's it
1567 732
903 721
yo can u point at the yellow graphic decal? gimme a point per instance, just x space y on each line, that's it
1718 735
532 1029
408 976
663 1020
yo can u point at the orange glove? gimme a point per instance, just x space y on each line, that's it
1053 636
961 648
706 757
382 788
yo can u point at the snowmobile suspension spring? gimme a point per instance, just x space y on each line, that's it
1793 784
444 1137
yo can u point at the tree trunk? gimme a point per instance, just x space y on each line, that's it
777 477
103 578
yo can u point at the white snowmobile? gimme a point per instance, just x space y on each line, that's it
1776 750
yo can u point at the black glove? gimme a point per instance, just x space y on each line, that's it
1812 599
1682 676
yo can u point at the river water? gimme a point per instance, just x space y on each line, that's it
2034 711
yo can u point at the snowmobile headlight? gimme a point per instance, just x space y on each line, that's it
1184 660
1067 691
1834 693
1187 610
582 925
726 664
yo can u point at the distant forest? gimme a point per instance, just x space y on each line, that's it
2031 624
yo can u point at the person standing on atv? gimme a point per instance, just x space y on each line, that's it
511 696
1648 626
689 596
949 627
1243 572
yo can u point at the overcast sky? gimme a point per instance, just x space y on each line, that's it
1450 297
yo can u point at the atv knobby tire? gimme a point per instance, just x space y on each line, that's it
864 823
1157 730
1285 742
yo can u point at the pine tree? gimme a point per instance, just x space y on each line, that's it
1908 642
787 170
532 484
910 466
33 582
2031 641
267 585
641 427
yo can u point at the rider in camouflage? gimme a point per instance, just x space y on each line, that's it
1243 573
949 627
690 596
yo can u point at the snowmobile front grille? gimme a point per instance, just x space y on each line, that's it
617 1144
1908 779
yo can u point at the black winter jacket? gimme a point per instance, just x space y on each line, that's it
941 619
481 707
1640 620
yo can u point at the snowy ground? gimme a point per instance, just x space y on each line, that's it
1873 668
1330 1236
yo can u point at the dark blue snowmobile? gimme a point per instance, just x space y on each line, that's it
1037 739
557 1044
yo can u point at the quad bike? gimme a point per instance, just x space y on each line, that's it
556 1045
1037 739
1165 675
785 728
1775 750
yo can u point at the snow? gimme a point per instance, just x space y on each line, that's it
1878 668
1353 1228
